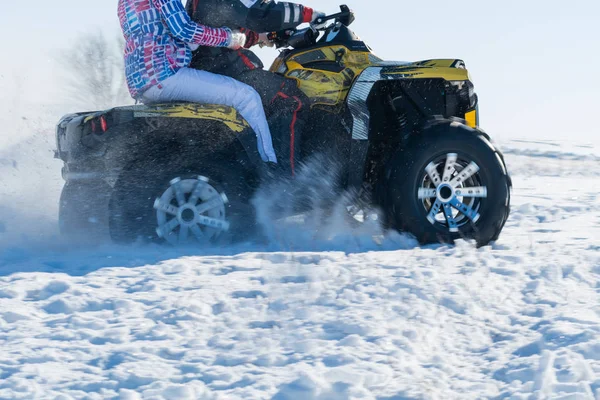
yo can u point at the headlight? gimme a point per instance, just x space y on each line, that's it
466 92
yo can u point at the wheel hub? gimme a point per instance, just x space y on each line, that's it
191 209
451 192
445 193
187 215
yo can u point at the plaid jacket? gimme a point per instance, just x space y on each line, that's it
158 35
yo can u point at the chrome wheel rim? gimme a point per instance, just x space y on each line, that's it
191 210
451 192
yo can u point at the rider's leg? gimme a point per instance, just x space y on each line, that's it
205 87
285 105
283 101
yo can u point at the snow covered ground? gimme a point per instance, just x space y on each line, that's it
333 316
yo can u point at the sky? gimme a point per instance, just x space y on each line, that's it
534 62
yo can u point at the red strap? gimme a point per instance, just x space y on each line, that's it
292 127
280 93
246 60
194 6
307 14
293 135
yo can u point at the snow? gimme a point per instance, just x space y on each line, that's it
315 313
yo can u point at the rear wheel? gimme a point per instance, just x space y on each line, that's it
83 209
182 203
449 183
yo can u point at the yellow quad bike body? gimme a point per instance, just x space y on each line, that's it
405 137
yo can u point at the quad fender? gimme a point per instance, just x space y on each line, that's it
236 127
213 112
116 137
451 70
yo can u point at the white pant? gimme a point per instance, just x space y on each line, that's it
204 87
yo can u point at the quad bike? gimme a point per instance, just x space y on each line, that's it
406 136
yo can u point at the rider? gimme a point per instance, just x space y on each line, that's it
159 41
281 97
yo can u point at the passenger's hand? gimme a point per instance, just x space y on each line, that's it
264 41
237 41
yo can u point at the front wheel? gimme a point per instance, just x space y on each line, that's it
449 183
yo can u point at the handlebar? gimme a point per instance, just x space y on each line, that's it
346 17
298 38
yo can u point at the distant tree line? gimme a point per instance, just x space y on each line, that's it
94 72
